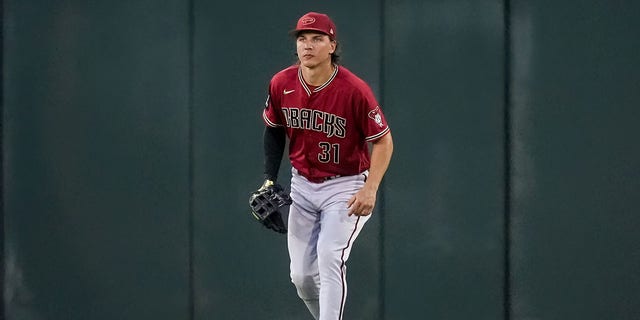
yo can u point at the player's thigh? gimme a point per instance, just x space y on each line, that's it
339 232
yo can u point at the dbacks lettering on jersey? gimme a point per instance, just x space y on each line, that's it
316 120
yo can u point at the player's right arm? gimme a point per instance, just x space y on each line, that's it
363 202
274 137
274 144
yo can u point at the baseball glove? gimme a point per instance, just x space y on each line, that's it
265 203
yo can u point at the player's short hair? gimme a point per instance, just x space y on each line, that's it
335 56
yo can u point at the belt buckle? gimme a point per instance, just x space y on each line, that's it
331 177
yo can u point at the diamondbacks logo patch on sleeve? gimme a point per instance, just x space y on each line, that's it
375 116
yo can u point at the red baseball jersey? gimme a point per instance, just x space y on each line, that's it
328 126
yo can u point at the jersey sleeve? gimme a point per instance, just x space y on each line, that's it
374 124
271 113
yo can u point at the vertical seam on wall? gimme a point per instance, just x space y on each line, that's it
190 106
507 160
2 211
383 204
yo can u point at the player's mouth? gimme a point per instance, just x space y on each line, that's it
307 56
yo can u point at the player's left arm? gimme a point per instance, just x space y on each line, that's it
363 202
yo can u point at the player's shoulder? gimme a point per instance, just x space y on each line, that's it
347 77
286 74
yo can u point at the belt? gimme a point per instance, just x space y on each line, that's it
323 179
315 180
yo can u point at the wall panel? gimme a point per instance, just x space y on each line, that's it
576 159
95 156
238 47
444 192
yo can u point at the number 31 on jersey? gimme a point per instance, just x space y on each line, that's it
329 152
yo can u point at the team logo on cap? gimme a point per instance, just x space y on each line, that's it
307 20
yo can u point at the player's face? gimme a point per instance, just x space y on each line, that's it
314 49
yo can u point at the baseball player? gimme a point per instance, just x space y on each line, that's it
330 117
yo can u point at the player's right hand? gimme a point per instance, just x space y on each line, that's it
363 202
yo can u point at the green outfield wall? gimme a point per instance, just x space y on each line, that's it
131 139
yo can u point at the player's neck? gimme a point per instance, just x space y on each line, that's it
317 75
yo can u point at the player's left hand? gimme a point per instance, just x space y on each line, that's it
266 201
362 203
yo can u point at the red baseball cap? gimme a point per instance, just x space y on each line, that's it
315 21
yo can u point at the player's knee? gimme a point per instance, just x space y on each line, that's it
301 280
305 284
